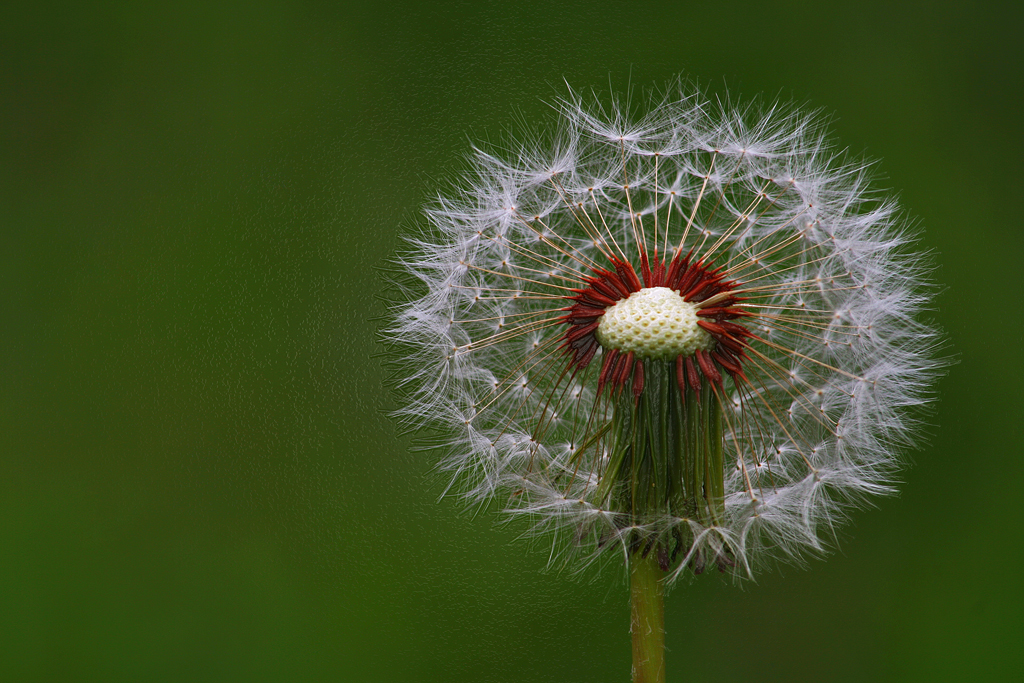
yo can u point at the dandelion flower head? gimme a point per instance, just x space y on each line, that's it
691 331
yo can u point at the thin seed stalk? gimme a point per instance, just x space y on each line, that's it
665 462
647 619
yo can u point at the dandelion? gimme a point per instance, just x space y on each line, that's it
689 337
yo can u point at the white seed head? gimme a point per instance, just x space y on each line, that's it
656 323
837 365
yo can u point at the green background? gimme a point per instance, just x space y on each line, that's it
198 480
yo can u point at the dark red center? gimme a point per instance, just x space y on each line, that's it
696 282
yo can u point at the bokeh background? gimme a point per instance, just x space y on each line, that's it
198 480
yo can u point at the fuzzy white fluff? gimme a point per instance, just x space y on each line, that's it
837 295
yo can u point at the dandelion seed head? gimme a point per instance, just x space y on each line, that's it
695 332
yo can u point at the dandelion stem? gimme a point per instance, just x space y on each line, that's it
647 619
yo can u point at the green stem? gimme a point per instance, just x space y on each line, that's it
647 619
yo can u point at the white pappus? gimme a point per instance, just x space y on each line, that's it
763 379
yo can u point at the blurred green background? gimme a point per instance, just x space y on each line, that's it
197 477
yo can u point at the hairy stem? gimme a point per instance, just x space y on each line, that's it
647 619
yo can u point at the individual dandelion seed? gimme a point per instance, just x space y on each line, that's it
689 335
